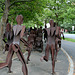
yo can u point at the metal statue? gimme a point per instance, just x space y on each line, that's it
31 37
50 45
38 40
8 37
29 47
14 47
58 38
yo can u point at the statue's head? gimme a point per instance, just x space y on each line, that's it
19 19
8 27
51 23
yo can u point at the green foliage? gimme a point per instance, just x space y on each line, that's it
36 12
62 12
29 11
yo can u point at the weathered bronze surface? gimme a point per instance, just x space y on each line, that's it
29 47
8 37
51 44
14 46
34 40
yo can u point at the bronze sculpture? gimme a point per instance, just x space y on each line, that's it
14 47
50 45
38 40
58 39
8 37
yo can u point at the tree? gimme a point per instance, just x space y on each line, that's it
11 8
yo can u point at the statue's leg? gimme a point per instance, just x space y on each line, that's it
29 53
9 58
46 53
8 61
53 58
21 58
59 42
41 46
57 49
24 67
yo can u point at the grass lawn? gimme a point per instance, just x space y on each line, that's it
69 39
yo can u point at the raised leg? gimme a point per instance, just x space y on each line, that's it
8 61
46 53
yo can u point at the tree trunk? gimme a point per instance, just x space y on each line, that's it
3 22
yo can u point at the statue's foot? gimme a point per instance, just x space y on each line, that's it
9 71
53 73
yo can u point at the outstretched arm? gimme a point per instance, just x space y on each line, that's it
22 39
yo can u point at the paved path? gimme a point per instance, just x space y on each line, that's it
70 49
69 36
36 67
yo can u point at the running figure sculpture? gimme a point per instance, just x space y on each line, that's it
50 45
14 47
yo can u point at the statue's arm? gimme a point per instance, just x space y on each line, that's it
22 32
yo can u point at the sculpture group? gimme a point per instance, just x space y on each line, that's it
15 35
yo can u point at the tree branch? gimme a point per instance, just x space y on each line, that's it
19 1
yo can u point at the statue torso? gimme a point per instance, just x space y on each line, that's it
17 30
51 35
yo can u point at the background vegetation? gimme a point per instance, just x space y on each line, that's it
37 12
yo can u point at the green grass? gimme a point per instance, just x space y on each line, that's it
1 61
69 39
